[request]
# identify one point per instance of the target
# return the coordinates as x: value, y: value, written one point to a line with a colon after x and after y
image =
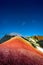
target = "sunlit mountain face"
x: 36, y: 41
x: 19, y: 51
x: 33, y: 39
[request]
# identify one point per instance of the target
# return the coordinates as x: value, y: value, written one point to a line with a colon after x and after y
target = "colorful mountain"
x: 18, y: 51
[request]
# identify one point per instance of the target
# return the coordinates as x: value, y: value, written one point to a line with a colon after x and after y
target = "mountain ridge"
x: 18, y: 51
x: 34, y: 40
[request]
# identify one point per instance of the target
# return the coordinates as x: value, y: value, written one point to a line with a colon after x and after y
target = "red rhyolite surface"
x: 18, y: 51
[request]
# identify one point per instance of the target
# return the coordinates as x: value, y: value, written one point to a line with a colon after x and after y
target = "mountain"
x: 39, y: 37
x: 9, y: 36
x: 6, y: 37
x: 36, y: 41
x: 18, y: 51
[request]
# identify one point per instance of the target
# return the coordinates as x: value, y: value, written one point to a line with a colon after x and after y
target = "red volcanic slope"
x: 18, y: 51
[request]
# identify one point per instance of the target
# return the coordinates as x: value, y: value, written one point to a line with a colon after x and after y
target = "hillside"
x: 18, y: 51
x: 36, y: 41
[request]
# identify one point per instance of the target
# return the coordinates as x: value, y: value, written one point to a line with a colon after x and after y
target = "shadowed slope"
x: 18, y: 51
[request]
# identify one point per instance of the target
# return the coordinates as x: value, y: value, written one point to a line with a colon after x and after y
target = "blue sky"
x: 21, y: 16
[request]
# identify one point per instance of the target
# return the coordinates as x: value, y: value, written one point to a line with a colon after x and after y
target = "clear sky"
x: 21, y: 16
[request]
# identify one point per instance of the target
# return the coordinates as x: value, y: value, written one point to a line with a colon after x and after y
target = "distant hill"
x: 40, y: 37
x: 6, y: 37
